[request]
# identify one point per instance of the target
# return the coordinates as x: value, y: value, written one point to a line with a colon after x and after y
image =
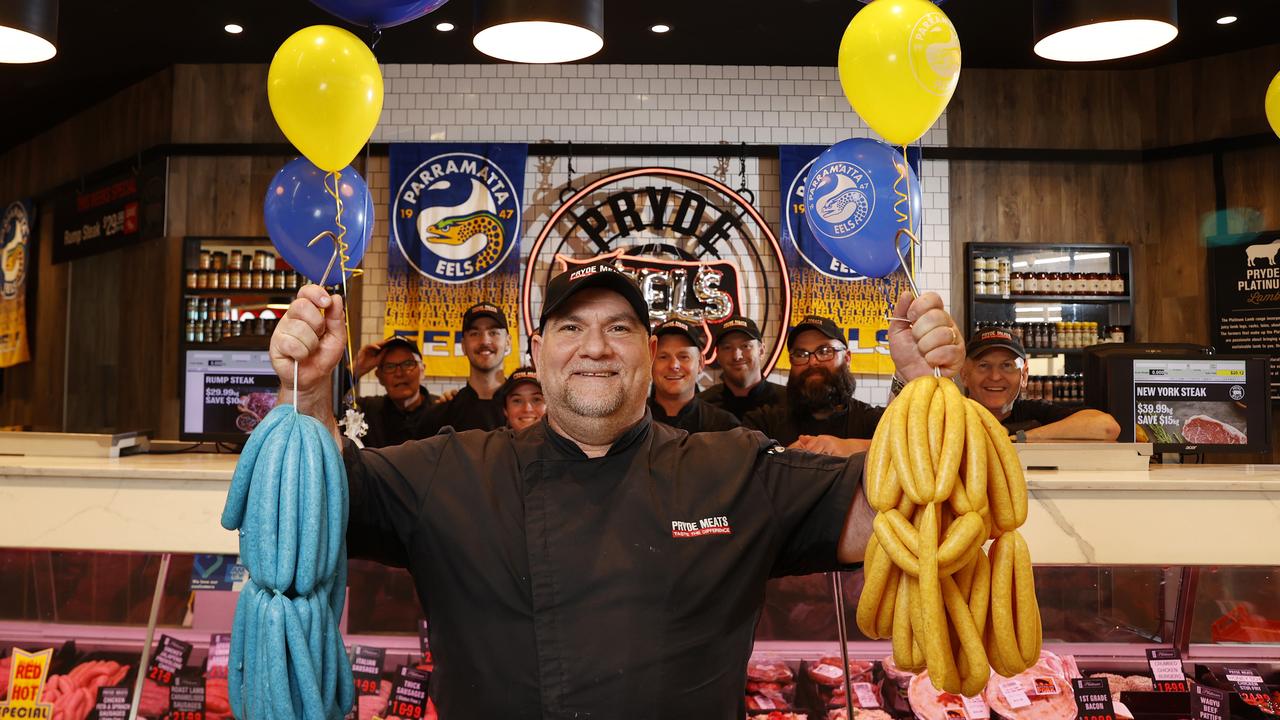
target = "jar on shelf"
x: 234, y: 280
x: 1017, y: 284
x: 235, y: 260
x: 1047, y: 389
x: 1118, y: 285
x: 193, y: 279
x: 1003, y: 267
x: 1116, y: 333
x: 980, y: 265
x: 1056, y: 284
x: 206, y: 260
x: 1069, y: 284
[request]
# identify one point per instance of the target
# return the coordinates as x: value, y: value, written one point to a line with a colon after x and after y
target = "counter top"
x: 188, y: 466
x: 1170, y: 515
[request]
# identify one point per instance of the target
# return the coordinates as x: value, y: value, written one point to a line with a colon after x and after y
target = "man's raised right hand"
x: 312, y: 333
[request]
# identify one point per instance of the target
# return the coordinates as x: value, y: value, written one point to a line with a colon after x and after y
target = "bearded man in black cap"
x: 820, y: 413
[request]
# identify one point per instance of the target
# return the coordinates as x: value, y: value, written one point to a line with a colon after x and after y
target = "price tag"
x: 866, y: 695
x: 976, y: 708
x: 113, y: 703
x: 219, y: 653
x: 366, y: 668
x: 1093, y: 699
x: 27, y: 673
x: 424, y: 641
x: 217, y: 572
x: 186, y: 699
x: 1014, y: 694
x: 1166, y: 670
x: 830, y: 672
x: 1208, y: 703
x: 1244, y: 678
x: 409, y: 693
x: 1042, y: 686
x: 171, y: 656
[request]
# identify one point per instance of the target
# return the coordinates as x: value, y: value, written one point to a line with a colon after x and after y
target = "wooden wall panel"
x: 222, y: 104
x: 1252, y: 180
x: 113, y: 130
x: 1217, y: 97
x: 1047, y: 109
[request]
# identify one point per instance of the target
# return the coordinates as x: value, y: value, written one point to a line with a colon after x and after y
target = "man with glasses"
x: 676, y: 365
x: 742, y: 387
x: 486, y: 343
x: 820, y: 413
x: 995, y: 373
x: 401, y: 414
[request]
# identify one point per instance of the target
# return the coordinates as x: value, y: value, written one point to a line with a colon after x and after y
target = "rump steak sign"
x: 699, y: 250
x: 1244, y: 272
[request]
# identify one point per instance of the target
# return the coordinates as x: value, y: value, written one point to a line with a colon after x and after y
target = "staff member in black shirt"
x: 401, y: 414
x: 740, y: 353
x: 995, y: 373
x: 599, y: 564
x: 676, y: 367
x: 820, y: 414
x: 485, y: 342
x: 522, y: 401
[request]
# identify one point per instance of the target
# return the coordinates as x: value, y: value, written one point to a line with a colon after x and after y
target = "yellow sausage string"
x: 341, y: 255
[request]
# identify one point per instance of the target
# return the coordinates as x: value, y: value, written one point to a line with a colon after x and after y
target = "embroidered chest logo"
x: 718, y: 525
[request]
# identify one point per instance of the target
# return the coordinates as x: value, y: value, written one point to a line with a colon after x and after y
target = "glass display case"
x: 94, y: 588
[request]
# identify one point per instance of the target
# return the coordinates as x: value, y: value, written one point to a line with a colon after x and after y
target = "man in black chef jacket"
x: 820, y: 413
x: 740, y: 353
x: 402, y: 413
x: 485, y: 342
x: 995, y: 374
x: 599, y: 564
x: 676, y: 366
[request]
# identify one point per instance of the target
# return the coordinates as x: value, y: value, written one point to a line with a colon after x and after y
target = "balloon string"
x: 343, y: 257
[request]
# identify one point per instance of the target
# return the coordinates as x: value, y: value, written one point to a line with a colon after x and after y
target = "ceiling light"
x: 539, y: 31
x: 660, y: 28
x: 1092, y: 30
x: 1227, y: 19
x: 233, y: 28
x: 445, y: 27
x: 28, y: 30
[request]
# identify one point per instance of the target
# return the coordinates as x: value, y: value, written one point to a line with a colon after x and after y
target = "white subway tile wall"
x: 703, y: 104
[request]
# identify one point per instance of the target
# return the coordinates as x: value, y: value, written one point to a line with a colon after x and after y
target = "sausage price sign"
x: 27, y: 674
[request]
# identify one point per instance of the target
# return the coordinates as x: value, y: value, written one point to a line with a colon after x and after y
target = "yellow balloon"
x: 899, y: 64
x: 325, y: 91
x: 1273, y: 104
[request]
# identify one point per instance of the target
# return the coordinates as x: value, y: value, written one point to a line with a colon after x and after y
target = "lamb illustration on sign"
x: 1265, y: 250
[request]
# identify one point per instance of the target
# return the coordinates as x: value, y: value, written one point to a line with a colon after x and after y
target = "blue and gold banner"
x: 454, y: 241
x: 17, y: 231
x: 821, y: 284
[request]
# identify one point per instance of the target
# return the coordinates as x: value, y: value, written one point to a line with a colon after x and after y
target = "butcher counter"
x: 1169, y: 515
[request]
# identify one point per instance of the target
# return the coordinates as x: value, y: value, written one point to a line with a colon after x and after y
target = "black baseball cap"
x: 815, y: 322
x: 738, y: 323
x: 400, y: 341
x: 519, y: 377
x: 601, y: 274
x: 989, y: 338
x: 681, y: 327
x: 484, y: 309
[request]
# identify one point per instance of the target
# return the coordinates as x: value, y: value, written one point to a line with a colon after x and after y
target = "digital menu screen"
x: 1195, y: 402
x: 226, y: 393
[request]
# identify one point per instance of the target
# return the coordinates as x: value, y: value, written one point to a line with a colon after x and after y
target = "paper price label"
x: 1014, y: 694
x: 976, y: 708
x: 1166, y: 670
x: 171, y: 656
x: 27, y: 673
x: 831, y: 672
x: 866, y: 695
x: 1208, y: 703
x: 113, y: 703
x: 1093, y: 699
x: 366, y: 668
x: 219, y: 651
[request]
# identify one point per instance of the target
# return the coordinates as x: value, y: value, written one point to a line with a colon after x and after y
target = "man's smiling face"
x: 994, y: 379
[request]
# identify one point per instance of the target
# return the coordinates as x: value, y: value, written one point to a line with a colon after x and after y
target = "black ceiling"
x: 105, y: 46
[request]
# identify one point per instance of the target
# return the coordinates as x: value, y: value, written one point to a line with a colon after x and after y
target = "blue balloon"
x: 849, y: 204
x: 298, y: 209
x: 379, y: 13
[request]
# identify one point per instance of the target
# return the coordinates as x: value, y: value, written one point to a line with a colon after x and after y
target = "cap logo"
x: 583, y: 272
x: 735, y: 323
x: 995, y: 334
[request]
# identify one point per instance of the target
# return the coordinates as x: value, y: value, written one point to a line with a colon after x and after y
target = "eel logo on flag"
x: 456, y: 217
x: 15, y: 239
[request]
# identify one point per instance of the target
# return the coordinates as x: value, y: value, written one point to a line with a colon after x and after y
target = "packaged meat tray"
x: 825, y: 681
x: 771, y: 686
x: 930, y: 703
x: 895, y: 686
x: 1043, y: 692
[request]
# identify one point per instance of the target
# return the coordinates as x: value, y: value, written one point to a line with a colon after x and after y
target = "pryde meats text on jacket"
x: 718, y: 525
